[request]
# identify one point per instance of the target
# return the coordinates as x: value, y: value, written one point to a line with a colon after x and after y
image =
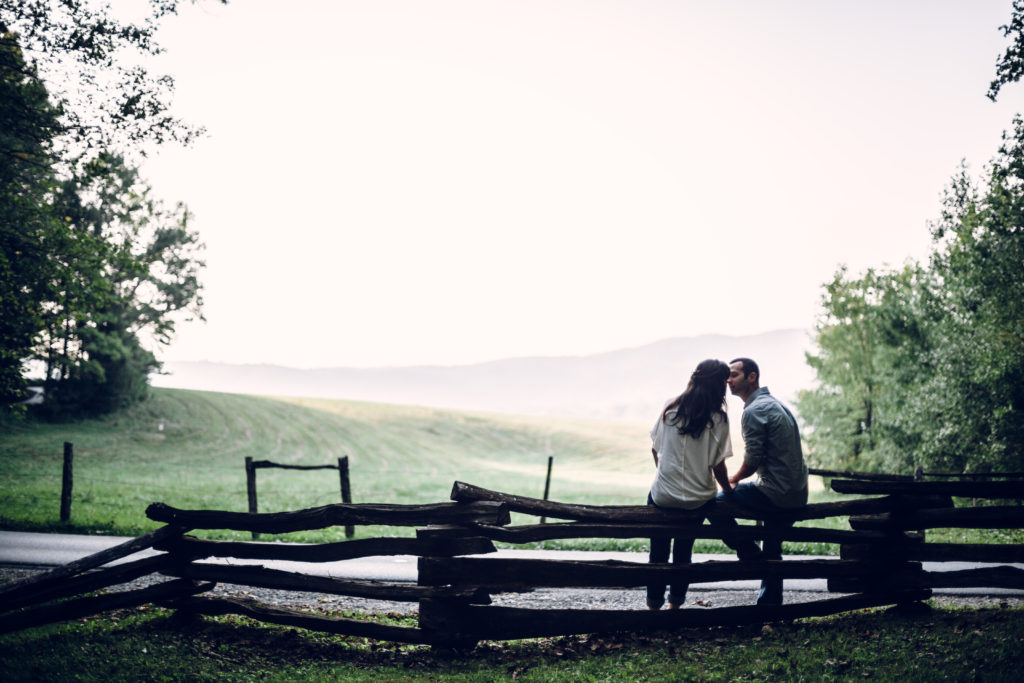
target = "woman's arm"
x: 722, y: 476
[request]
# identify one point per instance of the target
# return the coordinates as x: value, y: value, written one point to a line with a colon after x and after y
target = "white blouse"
x: 684, y: 478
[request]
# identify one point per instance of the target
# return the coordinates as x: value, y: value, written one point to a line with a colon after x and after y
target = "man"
x: 772, y: 442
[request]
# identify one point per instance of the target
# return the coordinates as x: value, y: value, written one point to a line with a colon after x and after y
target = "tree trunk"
x: 525, y: 574
x: 83, y: 607
x: 255, y: 575
x: 313, y: 622
x: 55, y: 576
x: 333, y: 515
x: 329, y: 552
x: 962, y: 489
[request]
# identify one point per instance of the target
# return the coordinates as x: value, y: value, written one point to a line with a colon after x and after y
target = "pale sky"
x: 438, y: 182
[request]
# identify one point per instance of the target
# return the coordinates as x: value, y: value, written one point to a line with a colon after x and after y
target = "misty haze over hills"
x: 628, y: 384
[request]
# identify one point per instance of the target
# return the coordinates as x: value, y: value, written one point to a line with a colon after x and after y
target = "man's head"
x: 743, y: 377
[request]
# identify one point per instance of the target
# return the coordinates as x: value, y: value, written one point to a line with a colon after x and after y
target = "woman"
x: 690, y: 443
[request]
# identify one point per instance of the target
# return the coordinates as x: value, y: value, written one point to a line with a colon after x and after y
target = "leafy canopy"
x: 921, y: 366
x: 92, y: 268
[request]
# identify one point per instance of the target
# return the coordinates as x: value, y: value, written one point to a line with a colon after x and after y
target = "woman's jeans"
x: 682, y: 548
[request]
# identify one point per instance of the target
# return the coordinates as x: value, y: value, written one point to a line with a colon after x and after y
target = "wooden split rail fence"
x: 879, y: 562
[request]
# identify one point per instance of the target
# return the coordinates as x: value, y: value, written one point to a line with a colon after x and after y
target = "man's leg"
x: 771, y: 589
x: 745, y: 550
x: 750, y: 497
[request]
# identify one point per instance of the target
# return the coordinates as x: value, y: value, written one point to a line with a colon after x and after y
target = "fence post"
x: 67, y: 482
x: 250, y: 489
x: 346, y: 491
x: 547, y: 485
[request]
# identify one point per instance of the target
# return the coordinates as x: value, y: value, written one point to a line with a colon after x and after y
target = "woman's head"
x: 709, y: 377
x: 703, y: 398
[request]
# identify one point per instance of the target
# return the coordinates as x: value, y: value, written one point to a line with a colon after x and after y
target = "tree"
x: 979, y: 265
x: 90, y: 265
x: 869, y: 336
x: 28, y: 123
x: 132, y: 269
x: 88, y: 59
x: 922, y: 366
x: 1010, y: 66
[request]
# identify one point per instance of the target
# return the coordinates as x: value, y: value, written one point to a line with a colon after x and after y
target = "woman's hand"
x: 722, y: 476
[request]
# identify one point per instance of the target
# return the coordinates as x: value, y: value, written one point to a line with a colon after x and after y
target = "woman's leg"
x: 658, y: 555
x: 682, y: 553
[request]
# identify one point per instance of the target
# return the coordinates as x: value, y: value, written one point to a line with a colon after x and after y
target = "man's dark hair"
x: 749, y: 366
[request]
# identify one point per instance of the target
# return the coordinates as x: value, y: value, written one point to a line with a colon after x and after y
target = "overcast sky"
x: 406, y: 182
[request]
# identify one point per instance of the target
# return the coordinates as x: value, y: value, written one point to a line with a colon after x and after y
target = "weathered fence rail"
x: 879, y: 561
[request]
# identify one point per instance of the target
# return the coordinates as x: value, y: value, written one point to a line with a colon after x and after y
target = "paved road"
x: 18, y: 548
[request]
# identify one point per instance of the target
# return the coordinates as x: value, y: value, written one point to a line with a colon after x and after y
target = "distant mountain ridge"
x: 627, y: 384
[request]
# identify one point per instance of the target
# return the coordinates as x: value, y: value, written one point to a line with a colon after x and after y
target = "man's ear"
x: 752, y: 378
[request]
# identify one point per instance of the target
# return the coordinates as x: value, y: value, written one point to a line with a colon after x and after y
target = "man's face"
x: 739, y: 384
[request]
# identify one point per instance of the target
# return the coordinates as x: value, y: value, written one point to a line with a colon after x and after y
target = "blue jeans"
x: 682, y: 550
x: 750, y: 497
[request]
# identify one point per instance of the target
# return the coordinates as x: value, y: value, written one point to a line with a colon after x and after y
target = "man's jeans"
x: 750, y: 497
x: 682, y: 549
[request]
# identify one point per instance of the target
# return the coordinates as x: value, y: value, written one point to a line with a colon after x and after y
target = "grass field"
x: 187, y: 449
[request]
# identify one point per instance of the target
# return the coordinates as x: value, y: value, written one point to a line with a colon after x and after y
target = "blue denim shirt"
x: 772, y: 442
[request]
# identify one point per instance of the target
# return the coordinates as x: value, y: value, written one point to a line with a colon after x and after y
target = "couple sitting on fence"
x: 690, y: 445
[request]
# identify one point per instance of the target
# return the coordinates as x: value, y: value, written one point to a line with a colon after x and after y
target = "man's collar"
x: 760, y: 391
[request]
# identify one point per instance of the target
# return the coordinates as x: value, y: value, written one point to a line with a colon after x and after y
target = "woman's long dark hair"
x: 703, y: 397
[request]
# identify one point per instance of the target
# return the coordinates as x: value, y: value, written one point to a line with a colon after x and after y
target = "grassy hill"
x: 187, y: 449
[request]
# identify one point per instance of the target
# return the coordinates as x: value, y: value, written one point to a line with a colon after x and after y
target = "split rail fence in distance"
x: 879, y: 562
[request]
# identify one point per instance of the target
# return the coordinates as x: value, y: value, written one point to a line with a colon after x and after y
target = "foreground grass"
x: 964, y: 645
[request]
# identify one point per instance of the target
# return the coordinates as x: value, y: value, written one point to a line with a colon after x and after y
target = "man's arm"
x: 655, y: 454
x: 754, y: 442
x: 744, y: 471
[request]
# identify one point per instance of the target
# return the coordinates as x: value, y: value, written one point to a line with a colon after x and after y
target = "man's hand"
x: 742, y: 473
